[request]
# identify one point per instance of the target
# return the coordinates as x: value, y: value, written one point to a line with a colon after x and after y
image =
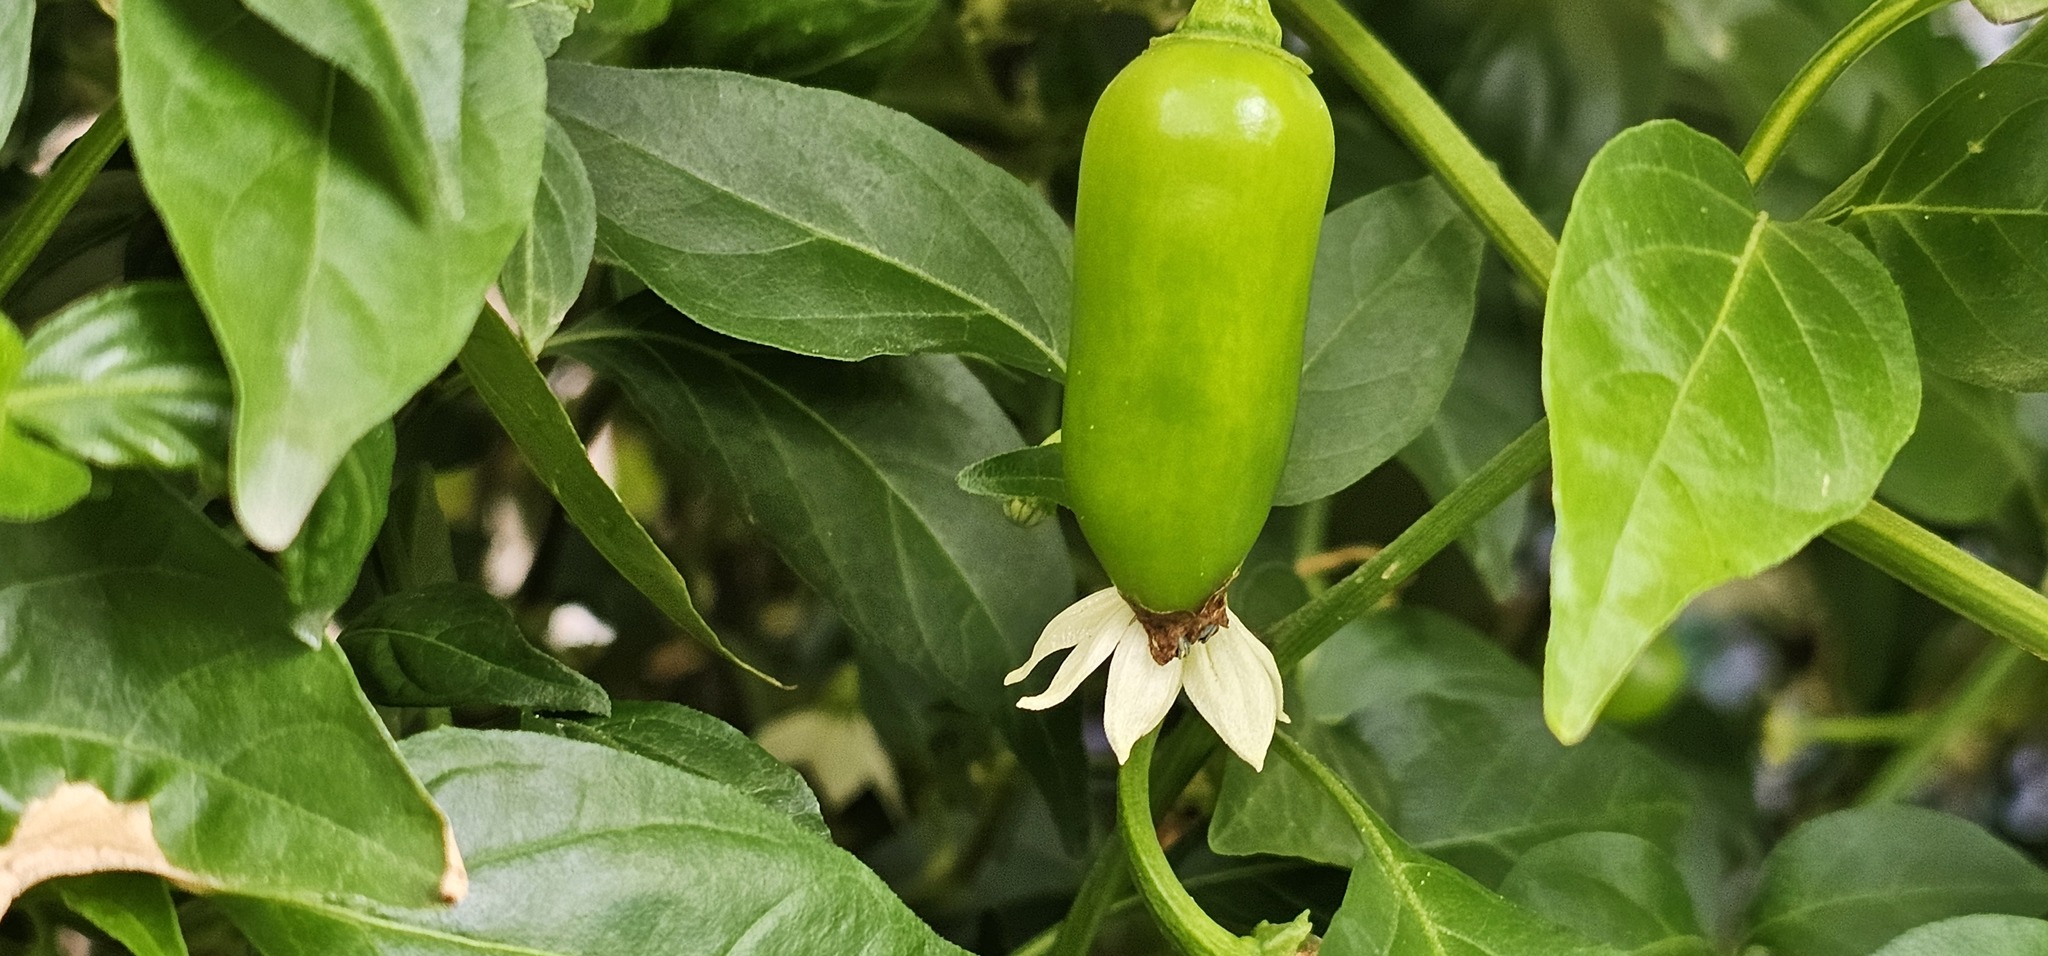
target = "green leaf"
x: 545, y: 272
x: 845, y: 43
x: 409, y: 56
x: 36, y: 481
x: 1981, y: 935
x: 1033, y: 472
x: 708, y: 188
x: 1543, y: 85
x: 133, y: 908
x: 1474, y: 778
x: 582, y: 850
x: 1610, y: 887
x: 321, y: 565
x: 17, y: 22
x: 1722, y: 388
x: 414, y: 548
x: 1843, y: 884
x: 1957, y: 208
x: 453, y: 645
x: 849, y: 469
x: 128, y: 378
x: 1494, y: 399
x: 1281, y: 811
x: 1964, y: 460
x: 1388, y: 313
x: 2010, y: 11
x: 151, y: 663
x: 697, y: 743
x: 518, y: 396
x: 1400, y: 902
x: 334, y: 299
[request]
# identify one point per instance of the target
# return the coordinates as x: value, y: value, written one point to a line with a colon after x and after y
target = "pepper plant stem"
x: 1927, y: 563
x: 59, y: 191
x: 1178, y: 915
x: 1880, y: 20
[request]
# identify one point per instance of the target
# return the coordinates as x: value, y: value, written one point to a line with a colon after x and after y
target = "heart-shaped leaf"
x: 582, y: 850
x: 333, y: 295
x: 1722, y: 388
x: 1388, y: 313
x: 454, y: 645
x: 1844, y: 883
x: 127, y: 378
x: 545, y: 272
x: 709, y: 189
x: 158, y: 700
x: 1957, y: 208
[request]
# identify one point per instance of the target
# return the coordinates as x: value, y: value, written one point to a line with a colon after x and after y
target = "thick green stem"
x: 1402, y: 101
x: 1940, y: 570
x: 1248, y: 20
x: 1182, y: 919
x: 58, y: 193
x: 1882, y: 19
x: 1977, y: 694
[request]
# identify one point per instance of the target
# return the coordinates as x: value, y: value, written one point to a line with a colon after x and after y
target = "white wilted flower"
x: 1229, y: 675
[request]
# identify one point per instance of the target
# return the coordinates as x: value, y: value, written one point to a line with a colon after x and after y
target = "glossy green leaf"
x: 815, y: 222
x: 1966, y: 457
x: 518, y: 396
x: 1981, y: 935
x: 1473, y: 776
x: 1387, y: 318
x: 148, y: 659
x: 1845, y: 883
x: 134, y: 909
x: 454, y: 645
x: 697, y: 743
x: 1610, y: 887
x: 582, y: 850
x: 1957, y: 208
x: 333, y: 297
x: 545, y: 272
x: 1494, y: 398
x: 17, y: 21
x: 1722, y: 388
x: 844, y: 43
x: 1034, y: 472
x: 128, y: 378
x: 2010, y: 11
x: 321, y: 565
x: 849, y: 470
x: 409, y: 56
x: 36, y: 481
x: 1401, y: 902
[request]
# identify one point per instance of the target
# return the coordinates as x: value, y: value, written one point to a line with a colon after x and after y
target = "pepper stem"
x: 1251, y: 21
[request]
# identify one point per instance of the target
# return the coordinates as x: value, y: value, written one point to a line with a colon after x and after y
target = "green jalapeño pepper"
x: 1204, y: 176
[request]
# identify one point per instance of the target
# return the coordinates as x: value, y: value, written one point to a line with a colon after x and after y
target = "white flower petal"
x: 1272, y: 667
x: 1093, y: 631
x: 1141, y: 691
x: 1234, y: 682
x: 1066, y: 629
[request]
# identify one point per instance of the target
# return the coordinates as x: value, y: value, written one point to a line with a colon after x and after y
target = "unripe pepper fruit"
x: 1204, y: 176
